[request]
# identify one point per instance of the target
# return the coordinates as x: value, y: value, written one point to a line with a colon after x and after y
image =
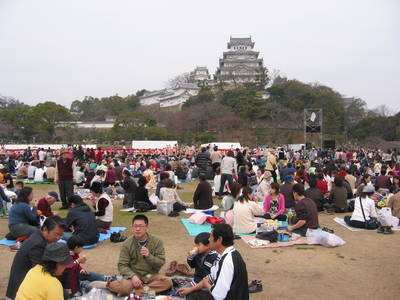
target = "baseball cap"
x: 288, y: 178
x: 54, y: 195
x: 58, y: 253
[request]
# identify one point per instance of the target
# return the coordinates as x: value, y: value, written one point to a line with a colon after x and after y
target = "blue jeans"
x: 92, y: 277
x: 225, y: 177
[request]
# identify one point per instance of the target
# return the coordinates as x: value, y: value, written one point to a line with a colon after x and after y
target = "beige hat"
x: 63, y: 150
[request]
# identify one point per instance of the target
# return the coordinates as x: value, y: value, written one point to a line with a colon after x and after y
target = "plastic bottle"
x: 146, y: 293
x: 152, y: 295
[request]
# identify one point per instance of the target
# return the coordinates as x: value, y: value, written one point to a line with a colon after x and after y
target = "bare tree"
x: 178, y: 80
x: 383, y: 110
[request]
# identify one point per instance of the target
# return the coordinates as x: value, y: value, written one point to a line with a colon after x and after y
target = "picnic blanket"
x: 341, y: 221
x: 192, y: 210
x: 258, y: 243
x: 194, y: 229
x: 102, y: 238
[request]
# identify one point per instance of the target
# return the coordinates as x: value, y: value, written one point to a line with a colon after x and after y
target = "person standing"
x: 228, y: 169
x: 271, y: 164
x: 202, y: 161
x: 65, y: 176
x: 228, y: 277
x: 216, y: 158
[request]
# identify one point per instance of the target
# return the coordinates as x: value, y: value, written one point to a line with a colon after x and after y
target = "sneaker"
x: 380, y: 229
x: 16, y: 247
x: 388, y: 230
x: 255, y: 286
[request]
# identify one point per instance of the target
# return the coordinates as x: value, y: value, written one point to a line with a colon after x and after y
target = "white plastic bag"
x: 165, y: 207
x: 320, y: 237
x: 386, y: 219
x: 154, y: 199
x: 198, y: 218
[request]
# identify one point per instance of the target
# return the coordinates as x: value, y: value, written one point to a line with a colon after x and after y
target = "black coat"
x: 142, y: 195
x: 129, y: 185
x: 27, y: 257
x: 84, y: 222
x: 202, y: 197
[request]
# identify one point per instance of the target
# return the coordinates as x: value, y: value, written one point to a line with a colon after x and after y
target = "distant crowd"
x: 275, y: 184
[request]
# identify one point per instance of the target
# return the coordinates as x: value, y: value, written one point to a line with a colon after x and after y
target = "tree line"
x: 250, y: 113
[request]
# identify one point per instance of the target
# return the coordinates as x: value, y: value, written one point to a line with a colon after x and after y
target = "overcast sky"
x: 64, y: 50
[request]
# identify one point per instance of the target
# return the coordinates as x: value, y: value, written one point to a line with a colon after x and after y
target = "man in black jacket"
x: 83, y: 221
x: 31, y: 252
x: 228, y: 276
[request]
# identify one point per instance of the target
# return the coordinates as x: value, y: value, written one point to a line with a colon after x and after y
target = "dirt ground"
x: 367, y: 267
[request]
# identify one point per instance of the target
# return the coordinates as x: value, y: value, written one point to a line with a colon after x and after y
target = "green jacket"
x: 132, y: 263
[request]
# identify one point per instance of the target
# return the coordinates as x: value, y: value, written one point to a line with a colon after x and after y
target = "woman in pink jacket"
x: 274, y: 204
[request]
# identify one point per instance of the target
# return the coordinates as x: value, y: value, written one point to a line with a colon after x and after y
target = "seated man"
x: 141, y: 258
x: 306, y: 212
x: 44, y: 204
x: 31, y: 252
x: 82, y: 220
x: 228, y: 277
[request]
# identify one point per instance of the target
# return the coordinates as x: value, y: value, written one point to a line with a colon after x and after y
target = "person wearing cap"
x: 41, y: 281
x: 44, y: 204
x: 31, y: 252
x: 368, y: 206
x: 65, y: 176
x: 264, y: 185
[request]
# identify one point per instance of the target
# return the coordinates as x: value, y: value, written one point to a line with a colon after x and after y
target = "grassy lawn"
x: 302, y: 272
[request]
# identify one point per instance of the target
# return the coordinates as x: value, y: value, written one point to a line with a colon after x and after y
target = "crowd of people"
x: 277, y: 184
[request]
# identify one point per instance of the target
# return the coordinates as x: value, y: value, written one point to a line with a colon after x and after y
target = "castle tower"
x: 240, y: 63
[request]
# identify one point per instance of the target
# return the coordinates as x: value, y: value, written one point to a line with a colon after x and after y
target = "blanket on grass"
x: 192, y: 210
x: 102, y: 238
x: 258, y: 243
x: 341, y: 221
x: 194, y: 229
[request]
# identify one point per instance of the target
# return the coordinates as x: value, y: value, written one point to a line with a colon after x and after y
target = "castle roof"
x: 240, y: 42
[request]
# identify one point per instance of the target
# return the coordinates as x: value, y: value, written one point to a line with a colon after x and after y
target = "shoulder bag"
x: 372, y: 223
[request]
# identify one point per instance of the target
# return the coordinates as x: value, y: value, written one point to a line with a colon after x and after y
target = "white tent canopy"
x: 37, y: 146
x: 223, y: 146
x: 153, y: 144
